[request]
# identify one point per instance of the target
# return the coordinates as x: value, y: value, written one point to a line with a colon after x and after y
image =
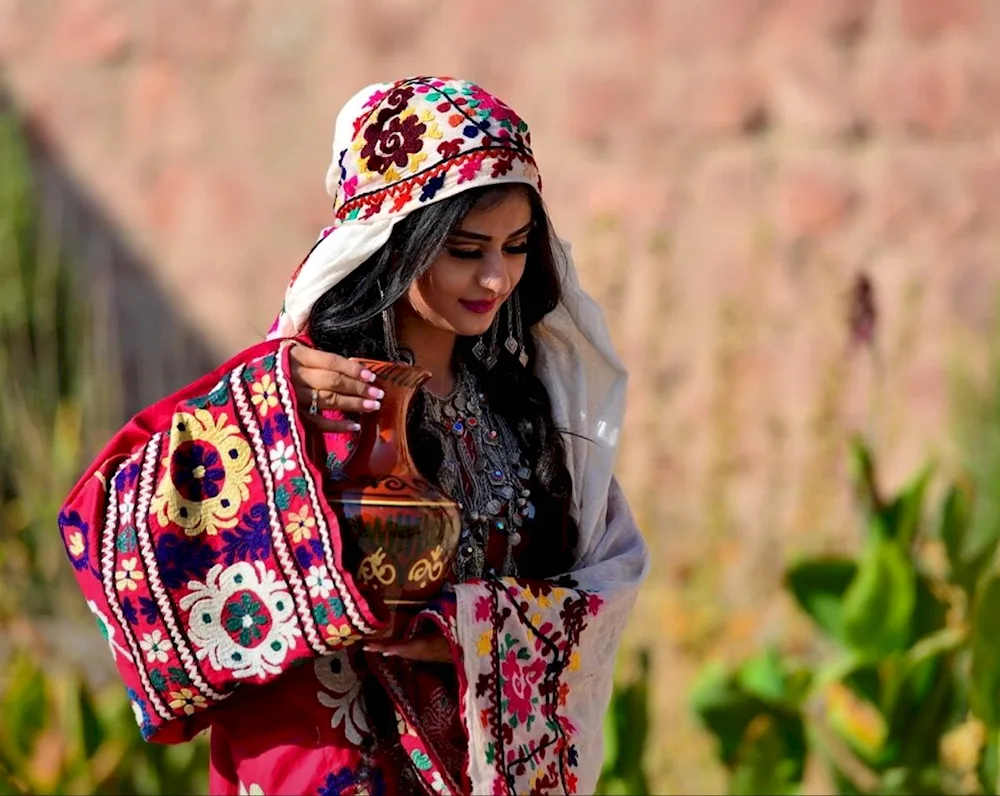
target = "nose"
x: 493, y: 273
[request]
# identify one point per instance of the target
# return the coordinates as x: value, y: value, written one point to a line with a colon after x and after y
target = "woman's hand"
x: 334, y: 383
x: 431, y: 648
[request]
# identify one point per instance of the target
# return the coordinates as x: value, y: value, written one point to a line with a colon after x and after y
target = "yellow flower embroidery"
x: 127, y: 578
x: 340, y: 636
x: 207, y: 469
x: 265, y: 394
x: 187, y: 700
x: 485, y: 644
x: 300, y: 524
x: 76, y: 544
x: 574, y: 661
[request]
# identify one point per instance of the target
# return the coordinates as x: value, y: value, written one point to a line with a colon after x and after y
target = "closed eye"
x: 476, y: 254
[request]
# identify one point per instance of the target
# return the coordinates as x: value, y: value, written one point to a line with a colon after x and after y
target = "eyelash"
x: 475, y: 254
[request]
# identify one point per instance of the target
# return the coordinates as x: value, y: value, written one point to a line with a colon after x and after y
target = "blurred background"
x: 789, y: 210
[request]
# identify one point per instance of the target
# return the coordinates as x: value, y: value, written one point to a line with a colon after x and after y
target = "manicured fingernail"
x: 354, y: 427
x: 375, y: 392
x: 367, y: 375
x: 371, y: 405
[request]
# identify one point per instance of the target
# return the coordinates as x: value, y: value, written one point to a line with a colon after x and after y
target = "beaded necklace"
x: 483, y: 470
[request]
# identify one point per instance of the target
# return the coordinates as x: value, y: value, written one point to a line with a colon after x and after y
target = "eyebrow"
x: 461, y: 233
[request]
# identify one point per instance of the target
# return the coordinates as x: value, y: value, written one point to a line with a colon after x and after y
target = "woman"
x: 205, y: 549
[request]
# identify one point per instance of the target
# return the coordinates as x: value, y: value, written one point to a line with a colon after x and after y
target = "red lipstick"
x: 480, y: 307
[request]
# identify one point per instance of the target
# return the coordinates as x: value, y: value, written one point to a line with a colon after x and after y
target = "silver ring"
x: 314, y: 406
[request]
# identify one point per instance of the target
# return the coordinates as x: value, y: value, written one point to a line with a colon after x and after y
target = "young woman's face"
x: 482, y: 263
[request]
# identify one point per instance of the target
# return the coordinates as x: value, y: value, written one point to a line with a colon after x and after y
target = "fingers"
x: 326, y: 399
x: 334, y: 382
x: 426, y: 648
x: 315, y: 359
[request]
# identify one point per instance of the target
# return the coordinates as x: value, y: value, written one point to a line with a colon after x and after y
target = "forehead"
x: 498, y: 214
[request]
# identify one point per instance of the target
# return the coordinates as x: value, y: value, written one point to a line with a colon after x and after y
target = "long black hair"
x: 347, y: 320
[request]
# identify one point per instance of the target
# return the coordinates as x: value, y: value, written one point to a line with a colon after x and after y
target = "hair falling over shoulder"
x: 347, y: 320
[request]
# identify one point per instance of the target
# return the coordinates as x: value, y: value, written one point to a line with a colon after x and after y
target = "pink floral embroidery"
x: 519, y: 682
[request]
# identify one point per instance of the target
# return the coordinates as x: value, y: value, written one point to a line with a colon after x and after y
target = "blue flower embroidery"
x: 183, y: 559
x: 252, y: 540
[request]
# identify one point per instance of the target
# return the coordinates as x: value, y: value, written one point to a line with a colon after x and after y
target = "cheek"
x: 517, y: 271
x: 444, y: 282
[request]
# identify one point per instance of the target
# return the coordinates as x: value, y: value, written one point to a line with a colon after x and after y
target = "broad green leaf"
x: 819, y: 586
x: 968, y: 553
x: 764, y: 676
x: 929, y: 612
x: 920, y: 708
x: 900, y: 520
x: 955, y: 513
x: 984, y: 694
x: 856, y: 720
x: 723, y: 709
x: 878, y: 607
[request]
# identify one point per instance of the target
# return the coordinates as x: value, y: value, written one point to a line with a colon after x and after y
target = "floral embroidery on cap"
x: 423, y: 137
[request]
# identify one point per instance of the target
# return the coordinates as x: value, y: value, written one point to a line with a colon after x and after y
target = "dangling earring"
x: 514, y: 341
x: 389, y: 328
x: 488, y: 356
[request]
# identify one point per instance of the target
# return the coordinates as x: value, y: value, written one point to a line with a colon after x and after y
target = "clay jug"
x: 400, y: 532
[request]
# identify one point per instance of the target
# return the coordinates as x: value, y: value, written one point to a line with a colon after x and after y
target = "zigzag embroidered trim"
x: 403, y: 189
x: 350, y: 607
x: 146, y: 489
x: 288, y: 566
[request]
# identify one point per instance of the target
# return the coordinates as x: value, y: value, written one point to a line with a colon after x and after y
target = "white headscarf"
x: 400, y: 146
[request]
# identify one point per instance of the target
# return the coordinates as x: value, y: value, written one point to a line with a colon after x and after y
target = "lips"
x: 480, y: 307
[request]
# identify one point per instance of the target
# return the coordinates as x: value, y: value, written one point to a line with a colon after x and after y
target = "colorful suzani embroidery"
x: 216, y: 562
x: 425, y: 137
x: 241, y: 618
x: 340, y: 691
x: 206, y: 474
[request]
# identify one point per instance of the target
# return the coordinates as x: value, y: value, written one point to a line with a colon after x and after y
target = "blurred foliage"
x: 626, y: 731
x: 57, y: 405
x: 59, y: 736
x: 905, y: 696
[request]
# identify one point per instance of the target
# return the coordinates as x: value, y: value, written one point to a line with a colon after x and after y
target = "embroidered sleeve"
x: 206, y: 551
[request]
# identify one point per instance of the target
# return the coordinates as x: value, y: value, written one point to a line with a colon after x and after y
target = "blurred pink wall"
x: 723, y: 167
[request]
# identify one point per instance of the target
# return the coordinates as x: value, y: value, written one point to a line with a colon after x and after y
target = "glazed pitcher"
x: 400, y: 532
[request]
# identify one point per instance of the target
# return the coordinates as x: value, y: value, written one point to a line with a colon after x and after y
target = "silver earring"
x: 514, y: 342
x: 488, y: 356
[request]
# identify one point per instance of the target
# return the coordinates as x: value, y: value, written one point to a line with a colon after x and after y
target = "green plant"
x: 905, y: 695
x: 57, y: 735
x: 626, y: 731
x: 56, y: 390
x: 57, y: 400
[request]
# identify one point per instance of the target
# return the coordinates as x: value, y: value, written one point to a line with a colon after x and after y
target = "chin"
x: 474, y: 329
x: 474, y: 326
